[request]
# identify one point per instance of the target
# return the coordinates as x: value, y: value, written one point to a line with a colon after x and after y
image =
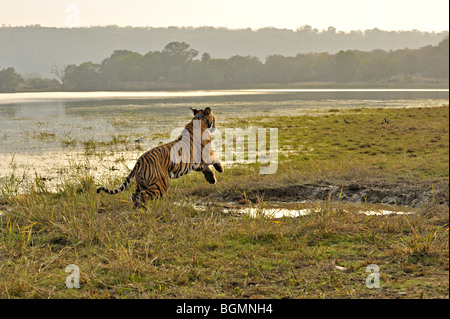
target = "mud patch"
x: 380, y: 192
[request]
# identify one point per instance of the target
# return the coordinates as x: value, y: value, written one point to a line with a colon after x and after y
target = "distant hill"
x: 32, y: 50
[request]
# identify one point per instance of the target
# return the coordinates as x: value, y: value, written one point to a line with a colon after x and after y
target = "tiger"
x: 157, y: 166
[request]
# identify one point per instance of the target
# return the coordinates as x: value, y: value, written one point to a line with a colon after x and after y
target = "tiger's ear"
x: 207, y: 111
x: 194, y: 110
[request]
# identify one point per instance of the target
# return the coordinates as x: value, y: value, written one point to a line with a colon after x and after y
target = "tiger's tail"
x: 124, y: 185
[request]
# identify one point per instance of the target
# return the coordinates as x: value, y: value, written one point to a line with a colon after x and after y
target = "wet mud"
x: 379, y: 192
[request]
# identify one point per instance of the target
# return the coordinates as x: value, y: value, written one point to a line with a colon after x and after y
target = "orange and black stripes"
x: 156, y: 167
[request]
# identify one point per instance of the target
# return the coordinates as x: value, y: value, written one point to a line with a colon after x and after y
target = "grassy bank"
x: 410, y: 153
x: 174, y: 249
x: 178, y: 251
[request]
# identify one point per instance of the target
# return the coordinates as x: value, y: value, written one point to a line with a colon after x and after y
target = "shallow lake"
x: 38, y: 122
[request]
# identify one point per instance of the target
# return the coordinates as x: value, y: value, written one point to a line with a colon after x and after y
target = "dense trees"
x: 345, y: 66
x: 34, y: 49
x: 86, y: 76
x: 9, y: 79
x: 179, y: 66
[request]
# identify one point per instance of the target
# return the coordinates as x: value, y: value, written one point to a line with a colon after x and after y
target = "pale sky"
x: 423, y: 15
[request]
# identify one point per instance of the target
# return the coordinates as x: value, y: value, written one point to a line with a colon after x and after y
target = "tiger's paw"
x: 218, y: 167
x: 209, y: 176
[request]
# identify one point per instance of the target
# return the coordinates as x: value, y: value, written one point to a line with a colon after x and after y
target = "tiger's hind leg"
x: 136, y: 197
x: 155, y: 191
x: 151, y: 193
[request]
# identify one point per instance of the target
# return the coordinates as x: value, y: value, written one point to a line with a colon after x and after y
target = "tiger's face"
x: 207, y: 113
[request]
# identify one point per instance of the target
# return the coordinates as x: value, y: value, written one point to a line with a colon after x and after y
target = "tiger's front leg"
x: 214, y: 160
x: 209, y: 174
x: 218, y: 166
x: 209, y: 158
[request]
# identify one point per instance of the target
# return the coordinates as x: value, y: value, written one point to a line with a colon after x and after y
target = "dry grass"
x: 174, y: 249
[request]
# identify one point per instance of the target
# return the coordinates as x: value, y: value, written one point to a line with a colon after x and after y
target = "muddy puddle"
x: 276, y: 210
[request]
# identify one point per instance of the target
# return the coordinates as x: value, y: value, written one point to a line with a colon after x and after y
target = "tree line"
x: 34, y: 49
x: 179, y: 66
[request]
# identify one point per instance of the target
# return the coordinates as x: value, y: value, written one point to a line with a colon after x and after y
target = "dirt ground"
x: 375, y: 192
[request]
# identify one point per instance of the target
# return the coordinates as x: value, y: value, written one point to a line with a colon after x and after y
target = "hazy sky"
x: 423, y: 15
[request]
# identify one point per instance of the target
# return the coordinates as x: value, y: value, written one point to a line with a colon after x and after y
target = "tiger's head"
x: 207, y: 116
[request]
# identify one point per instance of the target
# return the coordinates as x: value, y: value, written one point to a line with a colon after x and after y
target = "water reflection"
x: 221, y: 95
x: 271, y: 212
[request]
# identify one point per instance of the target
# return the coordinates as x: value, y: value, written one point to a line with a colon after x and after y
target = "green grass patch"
x: 175, y: 249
